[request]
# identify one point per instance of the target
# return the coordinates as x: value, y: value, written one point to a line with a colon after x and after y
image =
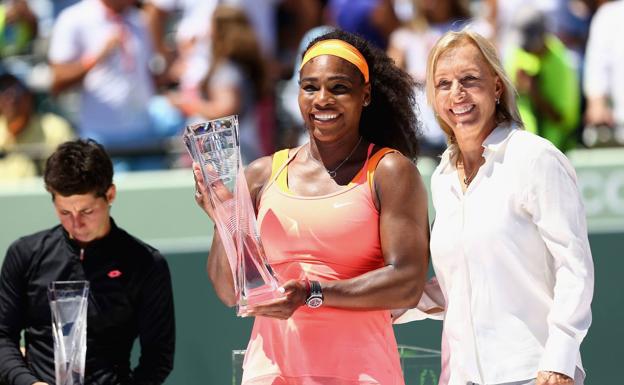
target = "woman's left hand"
x: 294, y: 295
x: 218, y: 189
x: 553, y: 378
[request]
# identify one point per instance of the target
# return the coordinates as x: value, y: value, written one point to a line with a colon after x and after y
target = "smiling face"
x: 84, y: 216
x: 332, y: 94
x: 465, y: 92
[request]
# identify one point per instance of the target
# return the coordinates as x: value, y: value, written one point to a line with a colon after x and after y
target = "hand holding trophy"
x: 214, y: 146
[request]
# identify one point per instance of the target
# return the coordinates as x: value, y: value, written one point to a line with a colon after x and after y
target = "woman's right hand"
x: 553, y: 378
x: 293, y: 295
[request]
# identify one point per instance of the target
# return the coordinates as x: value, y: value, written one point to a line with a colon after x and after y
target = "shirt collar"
x: 494, y: 142
x: 499, y: 136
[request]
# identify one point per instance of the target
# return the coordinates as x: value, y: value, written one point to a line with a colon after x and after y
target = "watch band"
x: 315, y: 289
x: 315, y: 297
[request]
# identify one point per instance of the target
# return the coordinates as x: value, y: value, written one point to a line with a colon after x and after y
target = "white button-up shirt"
x: 513, y: 262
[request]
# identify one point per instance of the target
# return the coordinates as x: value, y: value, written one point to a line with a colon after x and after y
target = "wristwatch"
x: 315, y: 296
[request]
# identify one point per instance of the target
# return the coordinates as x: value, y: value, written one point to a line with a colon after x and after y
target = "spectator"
x: 18, y: 27
x: 544, y: 74
x: 103, y: 47
x: 130, y: 287
x: 604, y: 74
x: 372, y: 19
x: 502, y: 13
x: 262, y: 15
x: 187, y: 63
x: 236, y: 80
x: 25, y: 134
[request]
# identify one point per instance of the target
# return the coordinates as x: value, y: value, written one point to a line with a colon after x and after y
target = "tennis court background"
x: 159, y: 208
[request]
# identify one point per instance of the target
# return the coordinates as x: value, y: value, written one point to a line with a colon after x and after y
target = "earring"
x: 366, y: 103
x: 497, y: 100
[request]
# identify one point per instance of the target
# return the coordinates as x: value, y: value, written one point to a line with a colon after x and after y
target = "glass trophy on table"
x: 215, y: 146
x: 68, y: 305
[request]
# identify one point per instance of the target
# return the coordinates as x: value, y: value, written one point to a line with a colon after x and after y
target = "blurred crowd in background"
x: 131, y: 74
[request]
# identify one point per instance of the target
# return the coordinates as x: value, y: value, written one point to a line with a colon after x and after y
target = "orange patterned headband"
x: 338, y: 48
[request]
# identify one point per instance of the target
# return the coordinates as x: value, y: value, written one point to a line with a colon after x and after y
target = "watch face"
x: 314, y: 302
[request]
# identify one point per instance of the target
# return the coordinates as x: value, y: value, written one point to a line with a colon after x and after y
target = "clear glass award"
x: 68, y: 304
x: 214, y: 145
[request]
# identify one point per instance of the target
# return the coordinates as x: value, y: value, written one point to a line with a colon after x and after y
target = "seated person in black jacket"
x: 130, y: 286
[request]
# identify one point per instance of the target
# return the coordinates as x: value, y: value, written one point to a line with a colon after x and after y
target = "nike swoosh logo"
x: 338, y: 205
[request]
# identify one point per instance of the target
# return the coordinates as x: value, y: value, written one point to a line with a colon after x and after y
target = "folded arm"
x: 404, y: 234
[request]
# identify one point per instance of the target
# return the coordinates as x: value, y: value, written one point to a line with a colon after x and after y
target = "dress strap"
x: 361, y: 175
x: 374, y: 161
x: 280, y: 161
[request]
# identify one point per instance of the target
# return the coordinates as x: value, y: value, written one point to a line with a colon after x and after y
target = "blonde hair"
x: 507, y: 109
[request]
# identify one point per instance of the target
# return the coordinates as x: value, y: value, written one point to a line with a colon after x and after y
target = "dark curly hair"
x: 79, y: 167
x: 390, y: 120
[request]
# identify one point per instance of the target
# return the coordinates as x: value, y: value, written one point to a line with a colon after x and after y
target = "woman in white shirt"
x: 509, y: 245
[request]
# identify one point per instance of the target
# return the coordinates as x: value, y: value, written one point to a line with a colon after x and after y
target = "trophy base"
x: 257, y: 296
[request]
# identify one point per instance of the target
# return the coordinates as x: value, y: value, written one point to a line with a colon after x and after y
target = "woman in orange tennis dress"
x: 343, y: 220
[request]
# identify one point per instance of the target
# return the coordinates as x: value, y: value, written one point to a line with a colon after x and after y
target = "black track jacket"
x: 130, y: 295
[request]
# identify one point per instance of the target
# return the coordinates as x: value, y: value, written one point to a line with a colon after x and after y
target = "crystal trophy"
x: 214, y: 145
x: 68, y: 304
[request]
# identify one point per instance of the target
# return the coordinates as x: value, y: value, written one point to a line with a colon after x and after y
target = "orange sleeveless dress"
x: 324, y: 238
